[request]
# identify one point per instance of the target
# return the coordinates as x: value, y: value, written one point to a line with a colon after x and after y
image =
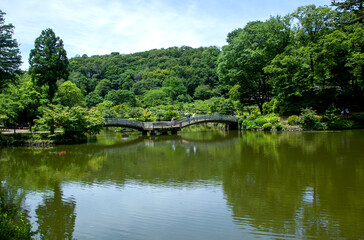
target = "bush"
x: 358, y: 117
x: 310, y: 120
x: 267, y: 126
x: 260, y: 121
x: 273, y: 119
x: 10, y: 230
x: 292, y: 120
x: 270, y: 107
x: 277, y: 126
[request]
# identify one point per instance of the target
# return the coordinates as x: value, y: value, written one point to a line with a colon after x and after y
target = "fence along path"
x: 232, y: 121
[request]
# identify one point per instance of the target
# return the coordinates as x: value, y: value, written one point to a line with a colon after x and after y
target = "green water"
x: 207, y: 185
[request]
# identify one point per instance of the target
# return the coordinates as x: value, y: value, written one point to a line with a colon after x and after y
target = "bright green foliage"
x: 74, y: 120
x: 136, y: 113
x: 13, y: 224
x: 250, y: 49
x: 169, y: 114
x: 270, y: 107
x: 293, y: 120
x: 322, y: 66
x: 10, y: 59
x: 21, y: 103
x: 69, y: 95
x: 154, y: 97
x: 103, y: 87
x: 202, y: 92
x: 48, y: 61
x: 121, y: 96
x: 14, y: 231
x: 226, y: 108
x: 173, y: 87
x: 267, y: 126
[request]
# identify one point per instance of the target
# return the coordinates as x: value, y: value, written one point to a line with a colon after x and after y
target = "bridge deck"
x: 166, y: 125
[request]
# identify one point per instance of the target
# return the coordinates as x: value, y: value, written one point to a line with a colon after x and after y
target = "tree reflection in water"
x: 298, y: 184
x: 56, y: 215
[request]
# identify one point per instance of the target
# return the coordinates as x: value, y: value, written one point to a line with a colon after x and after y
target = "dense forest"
x: 309, y: 59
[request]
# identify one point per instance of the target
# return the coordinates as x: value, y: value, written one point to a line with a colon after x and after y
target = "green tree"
x: 92, y: 99
x: 76, y: 121
x: 69, y: 94
x: 10, y: 59
x: 250, y: 49
x: 355, y: 6
x: 202, y: 92
x: 174, y: 87
x: 103, y: 87
x: 154, y: 97
x: 48, y: 61
x: 121, y: 96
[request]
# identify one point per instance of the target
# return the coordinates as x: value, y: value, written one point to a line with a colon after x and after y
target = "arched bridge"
x: 177, y: 125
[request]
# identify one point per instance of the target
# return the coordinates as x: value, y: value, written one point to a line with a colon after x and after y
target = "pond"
x: 200, y: 185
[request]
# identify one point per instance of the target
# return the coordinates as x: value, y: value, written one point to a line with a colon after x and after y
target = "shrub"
x: 358, y: 117
x: 292, y: 120
x: 270, y: 107
x: 273, y: 119
x: 310, y: 120
x: 277, y: 126
x: 260, y: 121
x: 254, y: 114
x: 267, y: 126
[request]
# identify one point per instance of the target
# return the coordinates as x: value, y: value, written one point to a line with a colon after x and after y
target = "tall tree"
x: 48, y: 61
x: 355, y: 6
x: 250, y: 49
x: 10, y: 59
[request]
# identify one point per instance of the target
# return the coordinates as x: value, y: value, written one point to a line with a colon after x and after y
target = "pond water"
x: 201, y: 185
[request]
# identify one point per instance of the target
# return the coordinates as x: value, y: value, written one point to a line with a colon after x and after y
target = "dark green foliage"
x: 10, y: 58
x: 355, y: 6
x: 249, y: 51
x: 226, y: 108
x: 13, y: 224
x: 92, y: 99
x: 270, y: 107
x: 358, y: 117
x: 310, y: 120
x: 121, y: 96
x: 48, y: 61
x: 150, y: 70
x: 202, y: 92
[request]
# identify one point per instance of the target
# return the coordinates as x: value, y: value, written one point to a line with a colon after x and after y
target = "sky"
x: 97, y: 27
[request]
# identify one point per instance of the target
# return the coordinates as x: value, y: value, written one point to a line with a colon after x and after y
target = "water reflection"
x: 56, y: 215
x: 281, y: 185
x: 299, y: 184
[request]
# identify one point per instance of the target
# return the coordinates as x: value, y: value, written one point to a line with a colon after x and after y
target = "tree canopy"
x: 10, y: 58
x: 48, y: 61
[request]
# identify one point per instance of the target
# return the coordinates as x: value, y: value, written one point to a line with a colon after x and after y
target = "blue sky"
x: 96, y: 27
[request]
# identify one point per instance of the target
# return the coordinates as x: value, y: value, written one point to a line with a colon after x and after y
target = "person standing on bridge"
x: 172, y: 122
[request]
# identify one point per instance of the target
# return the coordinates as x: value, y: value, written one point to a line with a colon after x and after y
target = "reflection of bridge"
x: 165, y: 126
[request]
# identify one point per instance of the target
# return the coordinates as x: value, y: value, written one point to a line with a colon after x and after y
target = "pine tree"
x: 10, y: 58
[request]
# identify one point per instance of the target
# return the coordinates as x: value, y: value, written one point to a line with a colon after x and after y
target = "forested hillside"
x: 155, y: 77
x: 308, y: 60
